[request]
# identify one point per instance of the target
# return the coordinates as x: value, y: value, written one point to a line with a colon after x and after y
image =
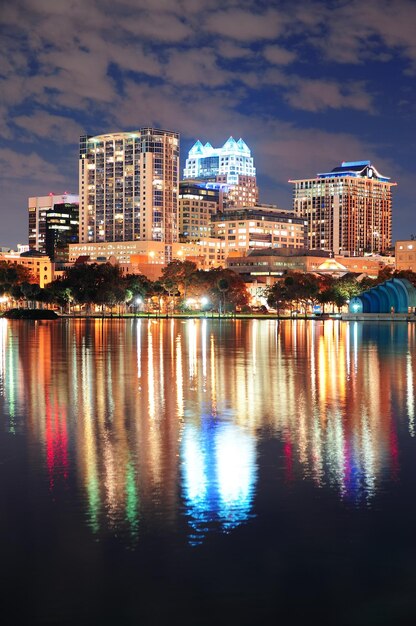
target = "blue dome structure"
x: 396, y: 294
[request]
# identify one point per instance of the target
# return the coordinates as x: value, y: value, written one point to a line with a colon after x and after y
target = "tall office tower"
x: 38, y: 207
x: 129, y: 186
x: 348, y: 210
x: 231, y: 165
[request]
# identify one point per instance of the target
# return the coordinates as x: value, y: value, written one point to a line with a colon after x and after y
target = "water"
x: 207, y: 472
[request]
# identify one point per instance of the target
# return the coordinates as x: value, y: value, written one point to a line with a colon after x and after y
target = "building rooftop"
x: 290, y: 252
x: 254, y: 212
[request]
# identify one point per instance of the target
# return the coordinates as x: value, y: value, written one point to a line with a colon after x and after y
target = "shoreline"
x: 345, y: 317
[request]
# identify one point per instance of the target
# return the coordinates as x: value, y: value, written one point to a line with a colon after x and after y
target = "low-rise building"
x: 405, y: 254
x: 38, y: 263
x: 273, y: 262
x: 148, y: 257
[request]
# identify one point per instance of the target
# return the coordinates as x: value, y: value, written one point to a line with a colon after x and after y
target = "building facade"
x: 348, y: 210
x: 38, y: 263
x: 258, y: 227
x: 197, y: 203
x: 209, y: 251
x: 129, y: 187
x: 231, y: 165
x: 38, y: 208
x: 62, y: 228
x: 405, y: 255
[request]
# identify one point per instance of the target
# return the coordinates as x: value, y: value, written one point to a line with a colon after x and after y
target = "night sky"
x: 306, y: 84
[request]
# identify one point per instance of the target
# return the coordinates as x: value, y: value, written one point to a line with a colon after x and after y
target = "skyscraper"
x: 231, y: 165
x: 348, y: 210
x: 128, y: 186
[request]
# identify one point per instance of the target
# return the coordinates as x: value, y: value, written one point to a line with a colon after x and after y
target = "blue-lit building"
x: 348, y: 209
x: 396, y: 295
x: 231, y: 164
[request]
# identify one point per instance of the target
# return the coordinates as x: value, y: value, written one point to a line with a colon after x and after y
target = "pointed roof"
x: 363, y: 169
x: 230, y: 144
x: 197, y: 148
x: 242, y: 146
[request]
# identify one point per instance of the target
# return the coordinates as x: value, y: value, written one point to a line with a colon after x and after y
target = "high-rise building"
x: 62, y: 229
x: 232, y: 164
x: 348, y: 210
x: 197, y: 203
x: 38, y: 207
x: 129, y: 186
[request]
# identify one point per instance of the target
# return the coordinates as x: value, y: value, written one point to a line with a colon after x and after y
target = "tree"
x: 179, y: 275
x: 223, y: 286
x: 60, y: 294
x: 158, y: 290
x: 98, y: 283
x: 224, y: 281
x: 12, y: 276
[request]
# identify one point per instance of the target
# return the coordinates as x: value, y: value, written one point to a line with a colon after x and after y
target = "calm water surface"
x: 207, y: 472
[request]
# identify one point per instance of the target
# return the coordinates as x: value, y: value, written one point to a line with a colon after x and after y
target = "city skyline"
x: 305, y: 86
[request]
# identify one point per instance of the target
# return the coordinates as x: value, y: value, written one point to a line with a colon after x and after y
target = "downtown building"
x: 259, y: 227
x: 53, y: 222
x: 198, y: 202
x: 128, y: 187
x: 348, y: 210
x: 231, y: 165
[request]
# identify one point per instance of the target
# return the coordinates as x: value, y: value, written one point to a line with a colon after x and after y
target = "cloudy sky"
x: 306, y: 84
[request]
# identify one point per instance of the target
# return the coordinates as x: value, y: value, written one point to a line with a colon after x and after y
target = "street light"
x: 204, y: 302
x: 138, y: 301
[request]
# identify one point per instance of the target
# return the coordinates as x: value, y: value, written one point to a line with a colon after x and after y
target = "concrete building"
x: 197, y: 203
x: 38, y: 263
x: 129, y: 187
x: 259, y: 227
x: 38, y: 207
x: 275, y: 262
x: 230, y: 165
x: 348, y: 210
x: 405, y: 255
x: 206, y: 253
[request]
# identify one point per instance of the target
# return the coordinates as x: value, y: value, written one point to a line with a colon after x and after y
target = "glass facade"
x: 129, y: 186
x: 232, y: 165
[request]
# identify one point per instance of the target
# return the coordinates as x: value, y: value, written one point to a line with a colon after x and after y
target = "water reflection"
x: 219, y: 469
x: 161, y: 421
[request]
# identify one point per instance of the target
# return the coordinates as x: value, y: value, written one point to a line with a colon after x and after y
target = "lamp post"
x: 138, y: 301
x: 204, y: 301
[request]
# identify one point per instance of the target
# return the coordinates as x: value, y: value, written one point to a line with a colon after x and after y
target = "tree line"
x: 181, y: 287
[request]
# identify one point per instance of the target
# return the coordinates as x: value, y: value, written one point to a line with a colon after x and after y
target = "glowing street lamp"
x: 138, y: 301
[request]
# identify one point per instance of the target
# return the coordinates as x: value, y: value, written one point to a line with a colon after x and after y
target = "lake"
x: 203, y: 471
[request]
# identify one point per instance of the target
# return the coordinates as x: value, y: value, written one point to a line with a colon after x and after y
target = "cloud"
x: 245, y: 25
x: 195, y: 67
x: 19, y: 165
x: 319, y: 95
x: 278, y: 55
x: 231, y: 50
x: 51, y: 127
